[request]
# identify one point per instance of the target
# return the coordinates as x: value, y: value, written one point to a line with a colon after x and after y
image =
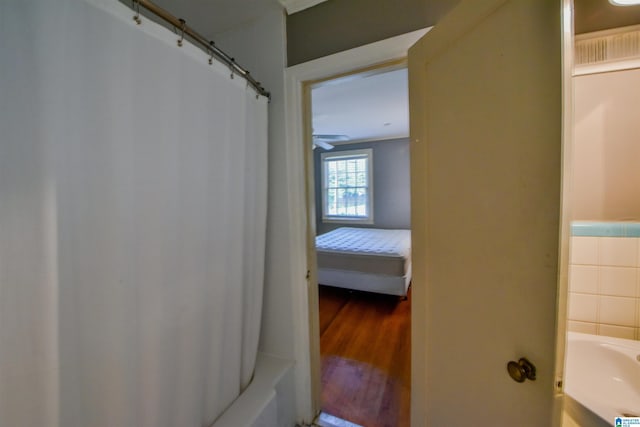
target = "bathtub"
x: 267, y: 400
x: 602, y: 379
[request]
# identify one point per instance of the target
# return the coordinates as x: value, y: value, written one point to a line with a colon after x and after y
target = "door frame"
x: 566, y: 212
x: 298, y: 152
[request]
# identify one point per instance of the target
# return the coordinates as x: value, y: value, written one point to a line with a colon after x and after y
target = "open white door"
x: 486, y: 134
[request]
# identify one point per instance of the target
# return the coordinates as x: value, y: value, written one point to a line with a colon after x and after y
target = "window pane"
x: 351, y: 179
x: 346, y: 186
x: 340, y: 202
x: 347, y: 202
x: 361, y: 209
x: 342, y: 179
x: 331, y: 202
x: 332, y: 180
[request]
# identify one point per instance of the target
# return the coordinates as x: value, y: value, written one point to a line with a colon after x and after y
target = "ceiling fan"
x: 325, y: 141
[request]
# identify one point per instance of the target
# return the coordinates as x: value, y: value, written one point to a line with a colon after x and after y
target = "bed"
x: 365, y: 259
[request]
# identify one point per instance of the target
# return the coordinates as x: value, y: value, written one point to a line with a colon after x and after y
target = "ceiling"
x: 596, y: 15
x: 369, y: 106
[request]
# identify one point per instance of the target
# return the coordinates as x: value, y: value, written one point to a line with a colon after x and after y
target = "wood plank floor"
x: 365, y: 344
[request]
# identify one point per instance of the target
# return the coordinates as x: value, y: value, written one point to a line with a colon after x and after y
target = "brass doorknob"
x: 521, y: 370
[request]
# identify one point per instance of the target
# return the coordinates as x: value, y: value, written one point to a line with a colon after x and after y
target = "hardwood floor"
x: 365, y: 344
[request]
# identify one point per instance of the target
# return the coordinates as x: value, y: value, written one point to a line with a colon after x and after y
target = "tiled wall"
x: 604, y: 279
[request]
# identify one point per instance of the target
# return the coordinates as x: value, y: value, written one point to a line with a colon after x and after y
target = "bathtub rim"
x: 261, y: 391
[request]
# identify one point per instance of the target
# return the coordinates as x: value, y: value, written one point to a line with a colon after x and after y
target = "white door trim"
x: 566, y: 213
x: 295, y: 77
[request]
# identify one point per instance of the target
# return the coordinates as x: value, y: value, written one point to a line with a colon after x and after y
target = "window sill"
x: 338, y: 220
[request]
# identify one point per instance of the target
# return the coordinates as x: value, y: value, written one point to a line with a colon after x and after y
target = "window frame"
x: 366, y: 153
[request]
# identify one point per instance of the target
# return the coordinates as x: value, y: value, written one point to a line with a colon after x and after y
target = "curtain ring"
x: 136, y: 8
x: 211, y: 43
x: 183, y: 23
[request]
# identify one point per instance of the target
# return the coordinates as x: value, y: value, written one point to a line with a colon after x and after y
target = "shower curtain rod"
x: 207, y: 45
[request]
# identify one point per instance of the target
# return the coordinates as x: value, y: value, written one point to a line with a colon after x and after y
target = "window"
x: 347, y: 191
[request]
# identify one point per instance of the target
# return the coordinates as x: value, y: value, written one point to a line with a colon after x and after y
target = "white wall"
x: 260, y: 47
x: 606, y: 175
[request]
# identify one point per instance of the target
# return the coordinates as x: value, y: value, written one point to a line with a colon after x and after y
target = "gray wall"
x: 338, y: 25
x: 391, y: 199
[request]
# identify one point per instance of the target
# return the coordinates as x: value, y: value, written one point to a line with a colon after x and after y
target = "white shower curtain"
x: 132, y: 222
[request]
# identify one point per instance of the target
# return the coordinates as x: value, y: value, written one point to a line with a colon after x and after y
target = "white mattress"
x: 368, y: 250
x: 370, y: 241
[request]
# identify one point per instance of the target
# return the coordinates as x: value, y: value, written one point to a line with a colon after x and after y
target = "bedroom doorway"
x: 359, y: 209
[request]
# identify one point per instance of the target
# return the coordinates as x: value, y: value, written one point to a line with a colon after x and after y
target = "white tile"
x: 618, y: 311
x: 584, y: 250
x: 619, y: 281
x: 583, y: 327
x: 583, y: 307
x: 617, y: 331
x: 618, y: 251
x: 583, y: 279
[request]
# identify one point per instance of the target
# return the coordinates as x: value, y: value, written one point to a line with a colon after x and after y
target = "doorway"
x: 304, y: 293
x: 361, y: 200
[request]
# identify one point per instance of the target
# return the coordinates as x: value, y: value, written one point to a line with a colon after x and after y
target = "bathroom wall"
x: 606, y: 170
x: 604, y: 275
x: 604, y: 279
